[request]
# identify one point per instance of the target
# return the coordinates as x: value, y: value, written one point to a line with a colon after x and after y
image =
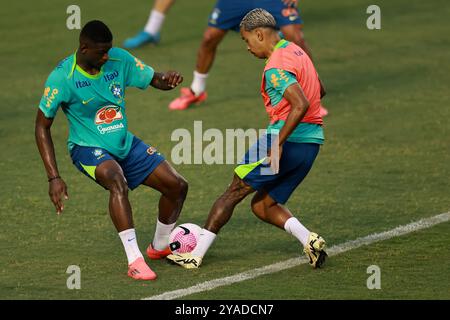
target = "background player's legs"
x: 268, y: 210
x: 173, y: 188
x: 157, y: 16
x: 163, y: 6
x: 151, y: 31
x: 294, y: 33
x: 207, y: 51
x: 205, y: 58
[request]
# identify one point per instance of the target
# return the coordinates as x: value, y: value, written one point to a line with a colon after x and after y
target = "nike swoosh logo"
x: 87, y: 101
x: 186, y: 230
x: 131, y: 239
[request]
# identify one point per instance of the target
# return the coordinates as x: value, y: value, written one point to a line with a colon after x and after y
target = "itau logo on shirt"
x: 108, y: 114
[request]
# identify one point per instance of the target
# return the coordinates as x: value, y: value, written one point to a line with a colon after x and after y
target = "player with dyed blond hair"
x: 292, y: 94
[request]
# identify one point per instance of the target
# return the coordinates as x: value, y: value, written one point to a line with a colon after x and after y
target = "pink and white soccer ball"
x: 184, y: 238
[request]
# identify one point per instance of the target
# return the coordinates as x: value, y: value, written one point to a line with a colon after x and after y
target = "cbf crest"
x: 117, y: 91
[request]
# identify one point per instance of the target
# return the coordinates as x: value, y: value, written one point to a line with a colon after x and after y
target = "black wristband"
x: 53, y: 178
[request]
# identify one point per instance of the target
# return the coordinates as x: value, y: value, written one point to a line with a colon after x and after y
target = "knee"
x: 178, y: 188
x: 182, y: 187
x: 258, y: 208
x: 210, y: 40
x: 118, y: 184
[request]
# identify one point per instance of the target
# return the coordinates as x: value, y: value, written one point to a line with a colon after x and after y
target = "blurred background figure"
x: 151, y: 32
x: 226, y: 15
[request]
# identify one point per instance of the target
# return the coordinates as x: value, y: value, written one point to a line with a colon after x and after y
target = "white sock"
x: 162, y: 233
x: 129, y: 242
x: 199, y: 83
x: 294, y: 227
x: 154, y: 23
x: 205, y: 241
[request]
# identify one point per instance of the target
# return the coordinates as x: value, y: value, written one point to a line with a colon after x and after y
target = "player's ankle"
x: 198, y: 85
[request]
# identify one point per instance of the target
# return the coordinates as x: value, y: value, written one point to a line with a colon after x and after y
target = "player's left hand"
x: 172, y: 79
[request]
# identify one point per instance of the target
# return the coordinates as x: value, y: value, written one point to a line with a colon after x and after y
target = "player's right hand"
x: 57, y: 190
x: 273, y: 159
x: 291, y: 3
x: 172, y: 78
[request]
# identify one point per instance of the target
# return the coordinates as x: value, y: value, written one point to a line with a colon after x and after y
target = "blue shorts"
x: 295, y: 163
x: 227, y: 14
x: 137, y: 166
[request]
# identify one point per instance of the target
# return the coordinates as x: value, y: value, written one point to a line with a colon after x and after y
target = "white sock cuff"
x: 206, y: 238
x: 126, y: 232
x: 297, y: 229
x: 129, y: 241
x: 154, y: 22
x: 200, y: 75
x: 162, y: 233
x: 157, y: 14
x: 199, y: 83
x: 289, y: 224
x: 164, y: 228
x: 208, y: 233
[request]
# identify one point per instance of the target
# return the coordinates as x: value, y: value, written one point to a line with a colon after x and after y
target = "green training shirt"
x: 95, y: 104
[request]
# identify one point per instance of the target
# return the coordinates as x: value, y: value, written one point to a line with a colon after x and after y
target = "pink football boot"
x: 187, y: 98
x: 157, y: 254
x: 139, y: 270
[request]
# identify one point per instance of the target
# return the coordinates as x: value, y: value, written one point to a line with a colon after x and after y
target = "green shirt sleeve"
x: 277, y: 81
x: 137, y: 73
x: 55, y: 93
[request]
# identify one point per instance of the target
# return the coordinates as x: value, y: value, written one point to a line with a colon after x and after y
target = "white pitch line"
x: 290, y: 263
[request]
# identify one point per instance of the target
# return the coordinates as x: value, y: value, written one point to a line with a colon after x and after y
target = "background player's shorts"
x: 137, y: 166
x: 295, y: 163
x: 227, y: 14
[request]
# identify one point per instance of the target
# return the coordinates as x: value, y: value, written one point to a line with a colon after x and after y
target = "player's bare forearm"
x: 57, y: 187
x: 166, y: 81
x: 299, y: 105
x: 45, y: 144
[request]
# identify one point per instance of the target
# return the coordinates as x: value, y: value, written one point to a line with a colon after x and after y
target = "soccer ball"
x: 184, y: 238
